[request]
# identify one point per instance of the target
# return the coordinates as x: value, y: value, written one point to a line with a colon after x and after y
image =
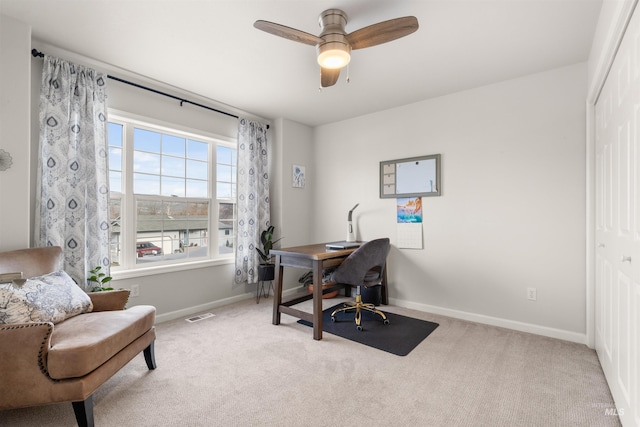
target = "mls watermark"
x: 617, y: 412
x: 610, y: 409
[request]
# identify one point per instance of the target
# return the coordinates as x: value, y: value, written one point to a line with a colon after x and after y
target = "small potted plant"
x: 100, y: 278
x: 266, y: 269
x: 107, y: 298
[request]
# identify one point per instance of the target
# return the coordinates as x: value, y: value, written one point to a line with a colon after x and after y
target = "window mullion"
x: 129, y: 205
x: 215, y: 206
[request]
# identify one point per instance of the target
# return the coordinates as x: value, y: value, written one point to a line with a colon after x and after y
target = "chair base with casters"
x: 363, y: 267
x: 358, y: 306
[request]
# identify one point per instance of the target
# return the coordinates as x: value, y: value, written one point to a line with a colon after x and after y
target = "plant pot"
x: 332, y: 294
x: 266, y: 272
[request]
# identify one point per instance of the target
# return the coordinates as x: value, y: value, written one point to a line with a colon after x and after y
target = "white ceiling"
x: 210, y: 47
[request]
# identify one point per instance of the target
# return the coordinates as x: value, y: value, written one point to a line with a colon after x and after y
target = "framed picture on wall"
x: 298, y: 176
x: 411, y: 177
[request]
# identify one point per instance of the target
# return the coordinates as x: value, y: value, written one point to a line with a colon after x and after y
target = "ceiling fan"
x: 334, y: 45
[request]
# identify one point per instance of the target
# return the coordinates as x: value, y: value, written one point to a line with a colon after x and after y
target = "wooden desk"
x: 315, y: 258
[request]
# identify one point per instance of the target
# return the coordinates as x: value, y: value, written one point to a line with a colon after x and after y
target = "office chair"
x: 363, y: 267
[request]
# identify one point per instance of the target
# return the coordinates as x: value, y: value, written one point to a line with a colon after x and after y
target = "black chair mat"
x: 401, y: 336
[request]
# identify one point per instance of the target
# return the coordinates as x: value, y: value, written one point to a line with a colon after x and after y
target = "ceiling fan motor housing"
x: 335, y: 45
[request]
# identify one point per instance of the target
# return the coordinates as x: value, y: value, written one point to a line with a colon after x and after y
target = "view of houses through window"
x: 163, y: 206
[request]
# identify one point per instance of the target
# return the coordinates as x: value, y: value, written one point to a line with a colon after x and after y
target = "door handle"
x: 626, y: 259
x: 601, y: 245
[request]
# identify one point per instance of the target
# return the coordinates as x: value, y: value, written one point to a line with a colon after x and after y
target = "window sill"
x: 162, y: 269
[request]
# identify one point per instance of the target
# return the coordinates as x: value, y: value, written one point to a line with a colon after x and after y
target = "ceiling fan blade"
x: 288, y: 33
x: 328, y: 76
x: 382, y: 32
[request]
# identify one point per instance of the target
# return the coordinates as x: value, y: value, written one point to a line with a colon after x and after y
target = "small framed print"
x: 298, y: 176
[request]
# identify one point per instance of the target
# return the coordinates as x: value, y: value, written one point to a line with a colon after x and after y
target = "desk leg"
x: 277, y: 292
x: 317, y: 300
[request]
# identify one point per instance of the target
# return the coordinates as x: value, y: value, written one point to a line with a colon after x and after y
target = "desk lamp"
x: 351, y: 235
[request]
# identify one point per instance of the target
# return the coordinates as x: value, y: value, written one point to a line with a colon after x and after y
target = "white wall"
x: 291, y: 207
x: 512, y: 212
x: 15, y: 42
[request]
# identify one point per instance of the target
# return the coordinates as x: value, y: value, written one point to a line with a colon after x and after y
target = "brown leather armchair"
x: 43, y: 363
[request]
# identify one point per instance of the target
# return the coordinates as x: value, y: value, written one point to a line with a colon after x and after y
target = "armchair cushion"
x: 82, y: 344
x: 52, y: 298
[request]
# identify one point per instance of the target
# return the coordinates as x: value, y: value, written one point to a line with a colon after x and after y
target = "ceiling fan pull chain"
x: 348, y: 78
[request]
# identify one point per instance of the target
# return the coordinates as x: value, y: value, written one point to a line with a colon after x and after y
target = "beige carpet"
x: 237, y: 369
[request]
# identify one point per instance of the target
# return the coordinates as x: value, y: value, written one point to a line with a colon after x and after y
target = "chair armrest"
x: 23, y: 357
x: 109, y: 300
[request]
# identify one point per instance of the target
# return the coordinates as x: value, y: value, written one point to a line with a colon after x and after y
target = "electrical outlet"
x: 532, y: 294
x: 135, y: 290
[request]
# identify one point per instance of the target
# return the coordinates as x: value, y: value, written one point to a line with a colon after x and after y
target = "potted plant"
x: 100, y: 278
x: 116, y: 300
x: 266, y: 269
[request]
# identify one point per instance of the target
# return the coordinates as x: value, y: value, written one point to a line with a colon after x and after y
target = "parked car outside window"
x: 147, y: 248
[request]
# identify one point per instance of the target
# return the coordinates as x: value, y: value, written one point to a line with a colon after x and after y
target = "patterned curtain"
x: 253, y: 197
x: 73, y: 187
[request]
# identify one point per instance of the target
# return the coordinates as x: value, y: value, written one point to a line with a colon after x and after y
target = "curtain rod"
x: 36, y: 53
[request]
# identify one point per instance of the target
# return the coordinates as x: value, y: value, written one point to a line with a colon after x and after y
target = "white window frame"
x: 128, y: 266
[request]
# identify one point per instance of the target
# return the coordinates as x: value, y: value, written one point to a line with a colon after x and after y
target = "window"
x: 172, y: 194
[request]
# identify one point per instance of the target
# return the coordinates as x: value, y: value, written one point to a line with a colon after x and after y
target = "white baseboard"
x: 472, y: 317
x: 185, y: 312
x: 494, y: 321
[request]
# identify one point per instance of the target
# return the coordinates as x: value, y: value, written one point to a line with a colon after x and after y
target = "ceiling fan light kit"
x: 334, y: 45
x: 333, y: 55
x: 334, y: 52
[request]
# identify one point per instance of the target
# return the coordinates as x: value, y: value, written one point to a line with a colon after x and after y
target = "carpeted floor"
x: 237, y: 369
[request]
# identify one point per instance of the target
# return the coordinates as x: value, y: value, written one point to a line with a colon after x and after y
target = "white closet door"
x: 618, y: 227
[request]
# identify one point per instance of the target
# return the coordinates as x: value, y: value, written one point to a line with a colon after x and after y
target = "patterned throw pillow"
x: 50, y: 298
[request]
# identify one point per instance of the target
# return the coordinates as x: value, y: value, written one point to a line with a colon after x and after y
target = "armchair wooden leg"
x: 150, y: 356
x: 84, y: 412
